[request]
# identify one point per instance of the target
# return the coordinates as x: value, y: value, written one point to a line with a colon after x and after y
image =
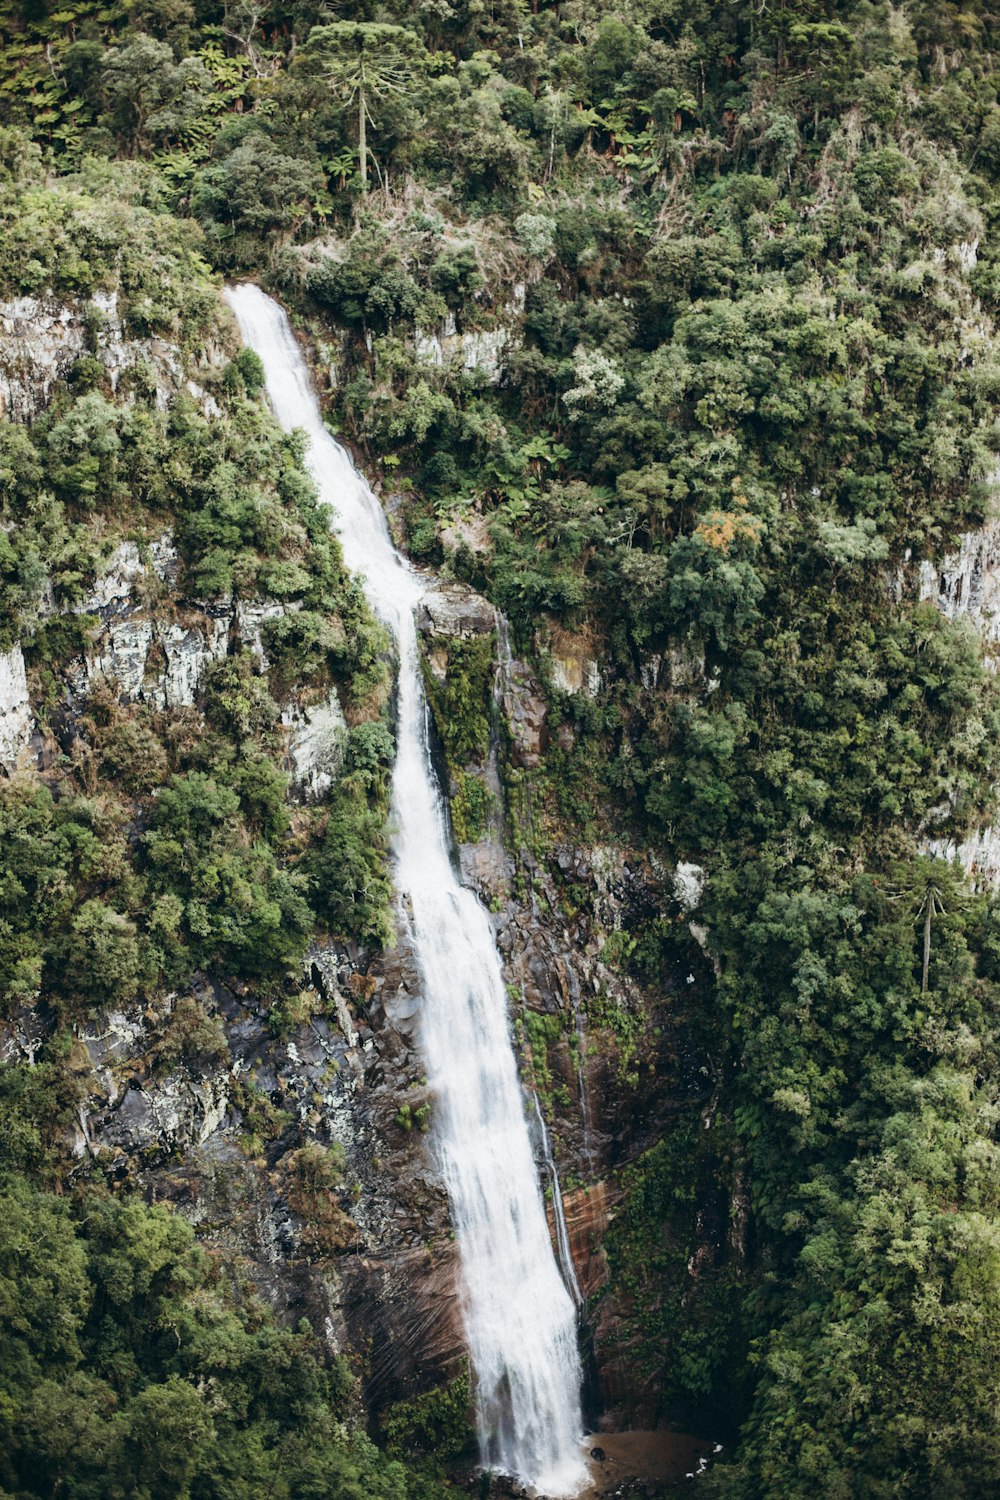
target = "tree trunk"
x: 363, y: 136
x: 927, y: 942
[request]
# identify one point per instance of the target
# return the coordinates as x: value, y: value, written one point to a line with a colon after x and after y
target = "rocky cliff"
x: 292, y: 1131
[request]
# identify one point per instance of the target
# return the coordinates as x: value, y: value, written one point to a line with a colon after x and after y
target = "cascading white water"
x: 558, y: 1212
x: 519, y: 1319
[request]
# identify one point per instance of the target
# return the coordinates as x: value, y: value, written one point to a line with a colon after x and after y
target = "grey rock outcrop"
x: 189, y: 650
x: 967, y: 583
x: 250, y: 618
x: 454, y: 610
x: 121, y: 572
x: 525, y: 710
x: 979, y: 855
x: 116, y: 580
x: 573, y: 667
x: 317, y: 738
x: 161, y: 662
x: 486, y: 350
x: 119, y: 656
x: 41, y: 338
x: 15, y: 711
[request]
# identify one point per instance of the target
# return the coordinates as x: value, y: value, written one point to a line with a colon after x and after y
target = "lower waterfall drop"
x: 519, y: 1318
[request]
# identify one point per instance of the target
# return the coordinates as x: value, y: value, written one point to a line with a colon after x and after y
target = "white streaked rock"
x: 15, y: 711
x: 189, y: 651
x: 967, y: 582
x: 979, y: 856
x: 317, y: 740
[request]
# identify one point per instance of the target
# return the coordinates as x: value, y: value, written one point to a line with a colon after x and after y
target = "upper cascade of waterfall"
x: 520, y: 1320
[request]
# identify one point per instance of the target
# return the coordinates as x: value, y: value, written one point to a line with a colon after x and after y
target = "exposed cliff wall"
x: 41, y: 338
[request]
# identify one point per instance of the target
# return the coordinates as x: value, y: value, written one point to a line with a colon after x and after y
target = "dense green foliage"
x: 162, y: 844
x: 158, y: 842
x: 461, y: 704
x: 756, y: 387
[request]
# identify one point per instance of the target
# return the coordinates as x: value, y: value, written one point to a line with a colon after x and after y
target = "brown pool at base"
x: 659, y: 1457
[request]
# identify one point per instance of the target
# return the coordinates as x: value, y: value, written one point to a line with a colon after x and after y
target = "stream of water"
x: 519, y: 1318
x: 563, y: 1248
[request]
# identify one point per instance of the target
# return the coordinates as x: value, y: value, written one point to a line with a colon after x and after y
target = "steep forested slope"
x: 671, y: 329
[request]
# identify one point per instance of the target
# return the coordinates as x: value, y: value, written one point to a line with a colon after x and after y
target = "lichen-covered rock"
x: 116, y: 579
x: 486, y: 350
x: 37, y: 346
x: 120, y: 573
x: 176, y: 1113
x: 689, y: 882
x: 979, y: 856
x: 163, y: 559
x: 162, y: 662
x: 317, y: 738
x: 119, y: 656
x: 15, y: 711
x: 40, y: 339
x: 158, y: 661
x: 572, y: 665
x: 188, y: 650
x: 967, y: 582
x: 250, y: 618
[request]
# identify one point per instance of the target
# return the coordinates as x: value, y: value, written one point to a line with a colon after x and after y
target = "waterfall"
x: 558, y: 1212
x: 504, y: 659
x: 519, y: 1319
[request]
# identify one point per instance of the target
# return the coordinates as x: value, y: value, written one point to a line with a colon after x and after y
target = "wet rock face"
x: 611, y: 1055
x: 608, y: 1107
x: 615, y: 1061
x: 525, y: 709
x: 588, y: 1213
